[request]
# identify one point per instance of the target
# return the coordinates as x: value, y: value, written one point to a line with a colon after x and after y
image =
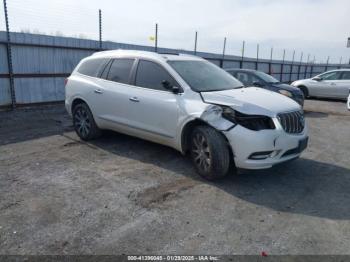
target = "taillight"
x: 65, y: 81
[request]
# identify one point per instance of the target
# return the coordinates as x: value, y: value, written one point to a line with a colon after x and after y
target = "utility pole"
x: 156, y: 40
x: 312, y: 66
x: 270, y: 64
x: 271, y: 53
x: 242, y: 54
x: 307, y: 65
x: 224, y: 49
x: 9, y: 58
x: 348, y: 45
x: 291, y: 67
x: 257, y: 56
x: 327, y: 63
x: 299, y: 68
x: 282, y: 65
x: 100, y: 26
x: 195, y: 43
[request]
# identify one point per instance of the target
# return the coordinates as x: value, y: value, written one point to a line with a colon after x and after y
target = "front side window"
x: 120, y: 70
x: 330, y: 76
x: 244, y: 78
x: 151, y: 75
x: 203, y: 76
x: 92, y: 67
x: 345, y: 75
x: 267, y: 78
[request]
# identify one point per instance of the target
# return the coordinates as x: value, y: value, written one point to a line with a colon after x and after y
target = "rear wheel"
x: 209, y: 152
x: 84, y: 123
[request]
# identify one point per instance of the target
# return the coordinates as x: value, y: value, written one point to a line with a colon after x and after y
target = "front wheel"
x: 84, y: 123
x: 305, y: 91
x: 209, y: 152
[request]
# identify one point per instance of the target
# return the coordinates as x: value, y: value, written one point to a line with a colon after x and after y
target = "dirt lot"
x: 124, y: 195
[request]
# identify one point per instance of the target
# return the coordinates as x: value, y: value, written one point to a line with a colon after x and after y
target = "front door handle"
x: 333, y: 84
x: 98, y: 91
x: 134, y: 99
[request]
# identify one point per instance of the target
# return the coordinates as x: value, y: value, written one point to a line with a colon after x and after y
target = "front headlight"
x: 252, y: 122
x: 285, y: 93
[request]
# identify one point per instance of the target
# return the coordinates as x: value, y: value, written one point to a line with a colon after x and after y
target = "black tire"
x: 212, y: 159
x: 305, y: 91
x: 84, y: 123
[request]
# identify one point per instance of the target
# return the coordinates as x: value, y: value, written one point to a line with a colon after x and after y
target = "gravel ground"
x: 122, y: 195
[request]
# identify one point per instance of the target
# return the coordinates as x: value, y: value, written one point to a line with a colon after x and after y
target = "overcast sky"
x: 315, y: 27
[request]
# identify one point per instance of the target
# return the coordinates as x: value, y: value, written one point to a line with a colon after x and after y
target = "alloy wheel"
x: 201, y: 152
x: 82, y: 122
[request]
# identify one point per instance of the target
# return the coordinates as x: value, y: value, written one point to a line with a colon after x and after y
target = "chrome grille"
x: 292, y: 122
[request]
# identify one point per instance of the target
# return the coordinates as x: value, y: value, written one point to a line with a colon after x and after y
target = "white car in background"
x: 187, y: 103
x: 331, y: 84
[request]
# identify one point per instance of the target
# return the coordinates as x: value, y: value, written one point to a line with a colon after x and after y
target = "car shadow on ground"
x: 314, y: 114
x: 35, y: 122
x: 303, y: 186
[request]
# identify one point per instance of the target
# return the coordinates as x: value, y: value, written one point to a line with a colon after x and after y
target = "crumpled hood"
x: 252, y: 100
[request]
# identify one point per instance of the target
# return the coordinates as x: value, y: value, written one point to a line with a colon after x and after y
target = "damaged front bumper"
x: 265, y: 148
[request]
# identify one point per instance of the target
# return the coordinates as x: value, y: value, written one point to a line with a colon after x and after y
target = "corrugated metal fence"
x: 41, y: 63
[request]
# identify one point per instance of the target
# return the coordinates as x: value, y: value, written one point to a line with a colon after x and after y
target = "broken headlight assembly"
x: 285, y: 93
x: 252, y: 122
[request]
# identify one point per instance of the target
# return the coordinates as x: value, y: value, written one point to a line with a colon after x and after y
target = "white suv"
x: 186, y: 103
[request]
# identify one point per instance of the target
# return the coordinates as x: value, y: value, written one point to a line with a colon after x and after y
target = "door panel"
x: 344, y: 85
x: 112, y: 96
x: 331, y: 89
x: 113, y: 103
x: 327, y: 87
x: 153, y: 111
x: 316, y: 88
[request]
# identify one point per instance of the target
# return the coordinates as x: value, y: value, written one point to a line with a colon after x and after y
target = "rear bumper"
x: 283, y: 146
x: 68, y: 107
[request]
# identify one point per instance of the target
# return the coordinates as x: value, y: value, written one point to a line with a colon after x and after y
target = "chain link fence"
x: 43, y: 43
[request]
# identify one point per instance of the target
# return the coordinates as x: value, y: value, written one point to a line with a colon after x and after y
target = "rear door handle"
x: 134, y: 99
x: 98, y: 91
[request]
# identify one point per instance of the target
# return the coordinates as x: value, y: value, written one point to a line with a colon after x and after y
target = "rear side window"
x: 120, y: 70
x: 92, y: 67
x: 151, y: 75
x: 105, y: 71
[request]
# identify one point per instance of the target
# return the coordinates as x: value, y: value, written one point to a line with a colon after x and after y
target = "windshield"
x: 267, y: 78
x: 203, y: 76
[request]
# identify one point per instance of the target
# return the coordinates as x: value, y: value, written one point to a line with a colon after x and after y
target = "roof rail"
x: 182, y: 54
x: 168, y: 53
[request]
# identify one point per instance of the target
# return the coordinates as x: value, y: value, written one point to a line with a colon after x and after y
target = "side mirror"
x: 317, y: 78
x: 167, y: 85
x: 256, y: 83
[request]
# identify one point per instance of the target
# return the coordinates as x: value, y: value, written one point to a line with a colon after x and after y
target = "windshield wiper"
x: 214, y: 90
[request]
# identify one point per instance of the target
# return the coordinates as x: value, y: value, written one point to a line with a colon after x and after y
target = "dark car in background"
x: 260, y: 79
